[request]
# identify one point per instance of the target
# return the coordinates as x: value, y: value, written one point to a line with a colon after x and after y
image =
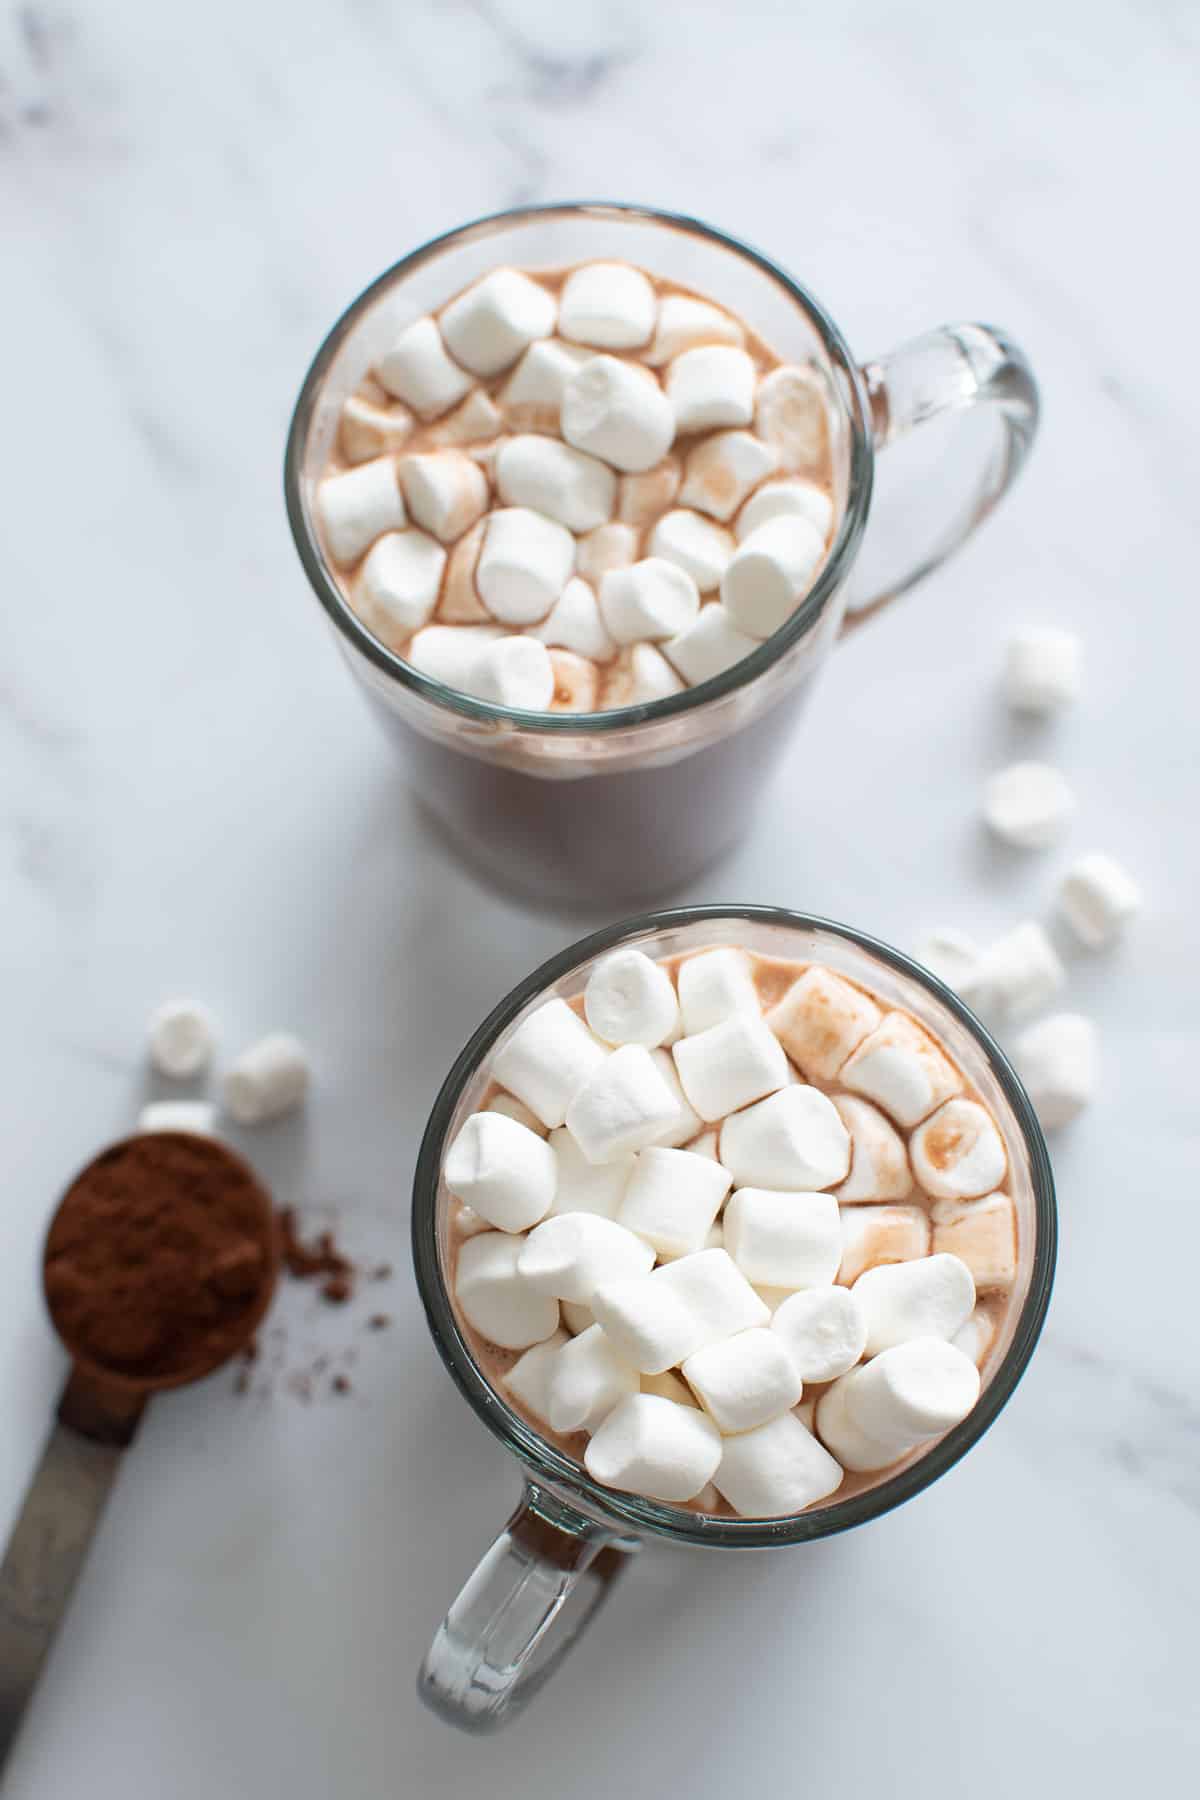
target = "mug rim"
x: 741, y: 674
x: 547, y: 1463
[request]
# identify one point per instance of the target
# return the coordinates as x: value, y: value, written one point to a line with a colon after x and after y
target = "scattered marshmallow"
x: 617, y: 412
x: 878, y: 1413
x: 1098, y: 898
x: 525, y: 564
x: 711, y: 386
x: 1056, y: 1059
x: 573, y: 1254
x: 588, y: 1380
x: 708, y: 646
x: 778, y: 499
x: 957, y: 1153
x: 547, y: 1060
x: 575, y: 623
x: 873, y: 1236
x: 982, y: 1234
x: 658, y: 1320
x: 696, y: 545
x: 673, y: 1198
x: 366, y: 430
x: 650, y: 599
x: 358, y: 506
x: 528, y: 1381
x: 512, y: 1108
x: 399, y: 584
x: 418, y: 371
x: 611, y: 546
x: 460, y: 603
x: 821, y: 1020
x: 1041, y: 669
x: 585, y: 1187
x: 824, y: 1329
x: 502, y: 1170
x: 776, y: 1469
x: 531, y: 399
x: 556, y: 480
x: 723, y: 469
x: 623, y: 1105
x: 608, y: 306
x: 516, y: 672
x: 745, y: 1380
x: 1019, y: 974
x: 977, y: 1336
x: 495, y: 1300
x: 729, y: 1065
x: 196, y: 1118
x: 879, y: 1167
x: 770, y: 572
x: 640, y: 675
x: 794, y: 1141
x: 899, y: 1066
x: 629, y: 999
x: 714, y: 985
x: 650, y: 1446
x: 643, y: 498
x: 445, y: 491
x: 687, y: 1122
x: 686, y: 324
x: 576, y: 682
x: 781, y: 1239
x: 1028, y: 804
x: 267, y: 1080
x: 932, y: 1297
x: 952, y: 956
x: 487, y: 328
x: 180, y: 1038
x: 450, y: 653
x: 791, y: 414
x: 477, y: 420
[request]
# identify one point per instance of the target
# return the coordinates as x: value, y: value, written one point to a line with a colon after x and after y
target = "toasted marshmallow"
x: 778, y: 1468
x: 729, y: 1065
x: 547, y: 1060
x: 957, y: 1153
x: 670, y: 1386
x: 608, y: 306
x: 723, y: 469
x: 359, y: 506
x: 418, y: 371
x: 1019, y: 974
x: 770, y: 572
x: 784, y: 1240
x: 876, y: 1414
x: 1056, y: 1059
x: 673, y: 1198
x: 577, y: 1319
x: 791, y: 414
x: 617, y: 412
x: 694, y: 544
x: 366, y: 430
x: 180, y: 1038
x: 574, y: 623
x: 630, y: 1000
x: 267, y: 1080
x: 623, y: 1105
x: 707, y: 647
x: 502, y: 1170
x: 1098, y: 898
x: 875, y: 1235
x: 977, y: 1336
x: 899, y: 1066
x: 657, y: 1321
x: 686, y: 324
x: 460, y: 603
x: 528, y: 1381
x: 573, y: 1254
x: 1028, y: 804
x: 451, y: 653
x: 779, y: 499
x: 1041, y: 669
x: 399, y: 584
x: 982, y: 1234
x: 477, y: 420
x: 576, y: 682
x: 586, y: 1187
x: 588, y: 1380
x: 525, y: 564
x: 446, y: 492
x: 195, y: 1118
x: 639, y: 675
x: 745, y: 1380
x: 611, y: 546
x: 711, y: 386
x: 952, y: 956
x: 517, y: 672
x: 824, y: 1329
x: 821, y: 1020
x: 653, y: 1447
x: 793, y: 1142
x: 651, y: 599
x: 643, y: 498
x: 511, y: 1108
x: 487, y: 328
x: 494, y: 1297
x: 715, y: 985
x: 878, y: 1159
x: 932, y: 1297
x: 687, y: 1122
x: 531, y: 398
x: 555, y: 480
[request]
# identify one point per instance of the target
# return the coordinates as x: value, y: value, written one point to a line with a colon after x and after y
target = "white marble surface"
x: 192, y: 798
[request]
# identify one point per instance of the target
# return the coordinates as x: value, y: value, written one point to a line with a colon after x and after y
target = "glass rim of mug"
x: 618, y: 719
x: 548, y: 1463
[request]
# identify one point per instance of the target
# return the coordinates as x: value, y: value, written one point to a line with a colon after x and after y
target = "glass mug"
x: 564, y: 805
x: 559, y: 1554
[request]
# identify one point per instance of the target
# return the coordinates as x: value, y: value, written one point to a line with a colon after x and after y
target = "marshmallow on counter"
x: 776, y: 499
x: 1056, y: 1060
x: 711, y: 386
x: 512, y: 1108
x: 694, y: 544
x: 770, y: 572
x: 366, y: 430
x: 650, y: 599
x: 957, y: 1153
x: 555, y: 480
x: 267, y: 1080
x: 639, y: 675
x: 460, y: 603
x: 450, y: 653
x: 398, y: 585
x: 899, y: 1066
x: 643, y: 498
x: 707, y: 647
x: 873, y: 1236
x: 1041, y: 669
x: 446, y: 492
x: 531, y: 398
x: 1098, y: 898
x: 824, y: 1329
x: 1028, y: 804
x: 687, y: 1123
x: 516, y: 672
x: 672, y: 1199
x: 791, y: 414
x: 821, y: 1020
x: 585, y: 1187
x: 878, y: 1159
x: 588, y: 1379
x: 576, y: 1318
x: 781, y: 1239
x: 358, y: 506
x: 608, y: 306
x: 745, y: 1380
x: 574, y: 623
x: 1019, y: 974
x: 723, y: 469
x: 576, y: 682
x: 196, y: 1118
x: 547, y: 1060
x: 650, y: 1446
x: 495, y: 1299
x: 630, y: 1000
x: 180, y: 1038
x: 670, y: 1386
x: 489, y: 326
x: 686, y: 324
x: 932, y: 1297
x: 793, y: 1141
x: 982, y: 1234
x: 952, y: 956
x: 878, y: 1413
x: 502, y: 1170
x: 525, y: 564
x: 714, y: 985
x: 657, y: 1321
x: 573, y: 1254
x: 623, y: 1105
x: 618, y: 412
x: 729, y: 1065
x: 528, y: 1381
x: 611, y: 546
x: 477, y: 420
x: 778, y: 1468
x: 977, y: 1336
x: 418, y: 371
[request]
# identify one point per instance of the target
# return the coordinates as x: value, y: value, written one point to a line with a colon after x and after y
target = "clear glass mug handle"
x: 528, y: 1601
x: 947, y: 371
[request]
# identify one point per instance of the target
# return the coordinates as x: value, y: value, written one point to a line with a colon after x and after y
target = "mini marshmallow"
x: 723, y: 469
x: 1098, y: 898
x: 643, y: 498
x: 714, y: 986
x: 686, y: 1123
x: 525, y: 564
x: 460, y: 603
x: 528, y: 1381
x: 694, y: 544
x: 875, y: 1235
x: 651, y: 599
x: 711, y: 386
x: 180, y: 1038
x: 791, y: 413
x: 670, y: 1386
x: 585, y: 1187
x: 399, y: 584
x: 672, y: 1199
x: 711, y: 644
x: 1028, y: 804
x: 357, y: 507
x: 952, y: 956
x: 450, y: 653
x: 639, y: 675
x: 932, y: 1297
x: 653, y: 1447
x: 553, y: 479
x: 367, y: 430
x: 957, y: 1153
x: 623, y: 1105
x: 418, y: 371
x: 531, y: 398
x: 745, y: 1380
x: 729, y: 1065
x: 573, y: 1254
x: 685, y: 324
x: 899, y: 1066
x: 1019, y: 974
x: 502, y: 1170
x: 982, y: 1234
x: 630, y: 1000
x: 446, y: 492
x: 876, y: 1414
x: 784, y: 1240
x: 576, y: 1318
x: 512, y: 1108
x: 776, y: 1469
x: 878, y: 1159
x: 196, y: 1118
x: 576, y: 682
x: 792, y: 1142
x: 495, y: 1300
x: 575, y: 624
x: 547, y: 1060
x: 267, y: 1080
x: 770, y: 572
x: 1041, y: 669
x: 1056, y: 1059
x: 977, y: 1336
x: 617, y: 412
x: 588, y: 1380
x: 820, y: 1020
x: 476, y: 421
x: 611, y: 546
x: 607, y: 305
x: 658, y: 1320
x: 487, y: 328
x: 824, y: 1329
x: 776, y: 499
x: 517, y: 672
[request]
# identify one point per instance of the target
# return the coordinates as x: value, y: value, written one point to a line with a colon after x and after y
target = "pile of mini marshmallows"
x: 523, y: 525
x: 1029, y: 805
x: 269, y: 1078
x: 698, y: 1285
